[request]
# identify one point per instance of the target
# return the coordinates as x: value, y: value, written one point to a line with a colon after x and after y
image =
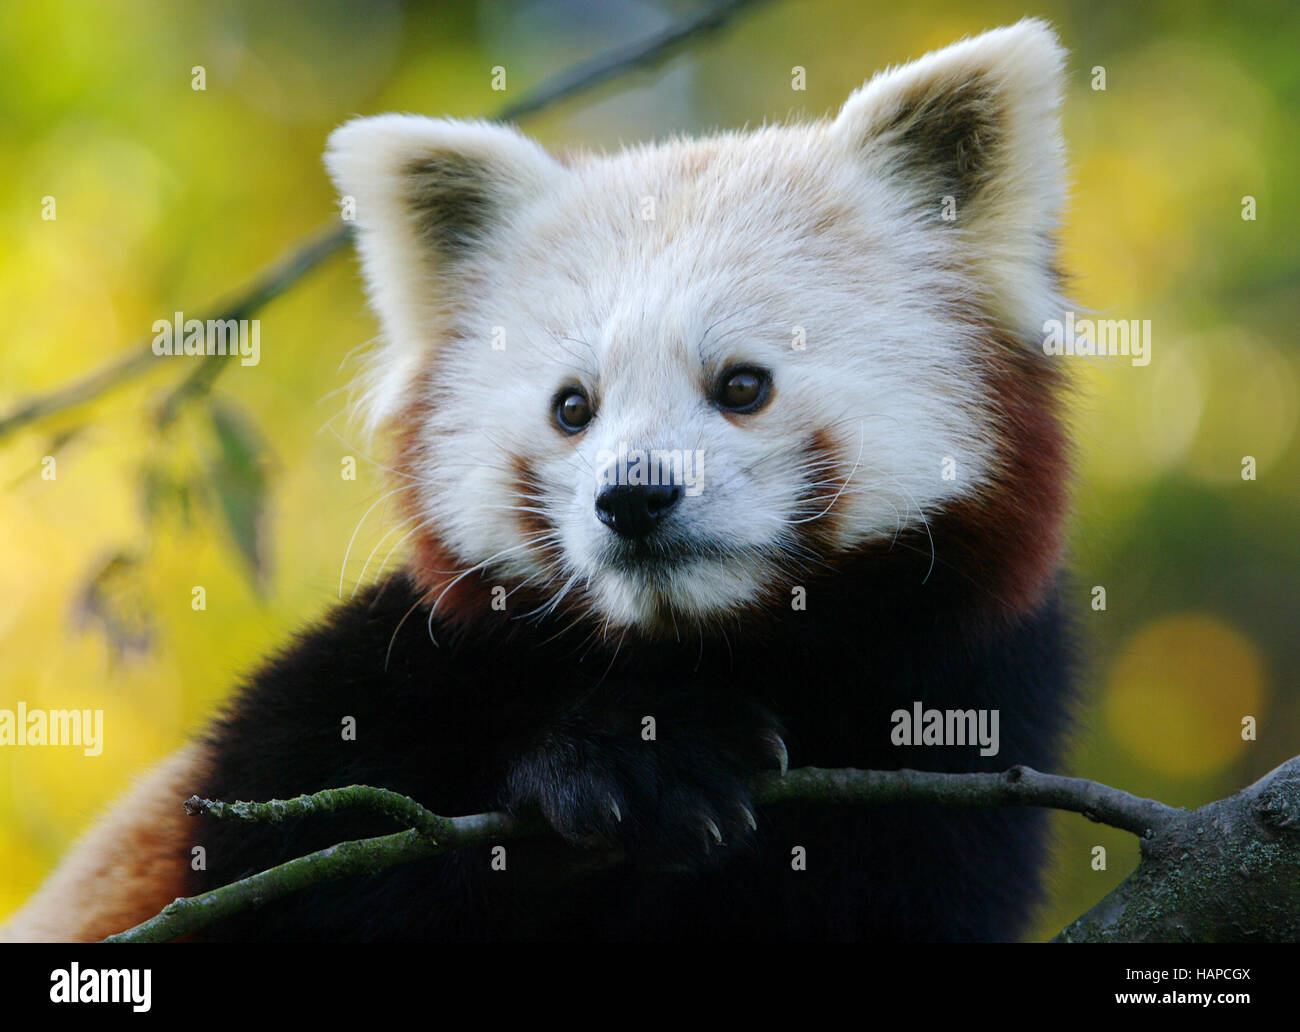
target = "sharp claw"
x: 713, y: 830
x: 618, y: 814
x: 778, y: 748
x: 749, y: 818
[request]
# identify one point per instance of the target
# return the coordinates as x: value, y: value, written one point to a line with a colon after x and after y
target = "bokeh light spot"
x: 1176, y: 695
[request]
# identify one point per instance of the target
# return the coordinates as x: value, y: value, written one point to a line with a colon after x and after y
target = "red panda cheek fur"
x: 432, y: 565
x: 1011, y: 534
x: 1019, y: 530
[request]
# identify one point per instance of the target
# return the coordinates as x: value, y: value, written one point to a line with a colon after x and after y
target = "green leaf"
x: 238, y: 476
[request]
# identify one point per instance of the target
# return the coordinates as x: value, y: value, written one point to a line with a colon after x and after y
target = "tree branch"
x: 1226, y: 872
x: 286, y: 272
x: 1229, y: 870
x: 647, y: 53
x: 348, y: 859
x: 402, y: 809
x: 1019, y: 786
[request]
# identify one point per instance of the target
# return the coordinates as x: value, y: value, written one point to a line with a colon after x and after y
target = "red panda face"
x: 659, y: 387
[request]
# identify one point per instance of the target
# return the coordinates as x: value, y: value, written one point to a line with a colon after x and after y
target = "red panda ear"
x: 427, y: 196
x: 971, y: 133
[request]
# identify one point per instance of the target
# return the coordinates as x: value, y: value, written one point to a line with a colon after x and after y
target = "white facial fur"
x: 817, y: 252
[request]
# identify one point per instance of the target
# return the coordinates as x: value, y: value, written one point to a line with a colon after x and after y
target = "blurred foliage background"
x: 169, y: 198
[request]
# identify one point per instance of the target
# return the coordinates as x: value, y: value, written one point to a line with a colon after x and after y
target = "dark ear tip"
x: 948, y: 135
x: 448, y: 195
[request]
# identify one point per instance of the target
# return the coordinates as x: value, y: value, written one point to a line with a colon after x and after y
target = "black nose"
x: 633, y: 510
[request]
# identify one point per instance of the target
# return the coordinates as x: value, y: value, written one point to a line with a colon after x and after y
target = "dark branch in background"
x: 288, y: 271
x: 646, y: 54
x: 1227, y: 871
x: 268, y: 286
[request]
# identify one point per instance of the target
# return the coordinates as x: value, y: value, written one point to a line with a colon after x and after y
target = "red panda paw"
x: 677, y: 799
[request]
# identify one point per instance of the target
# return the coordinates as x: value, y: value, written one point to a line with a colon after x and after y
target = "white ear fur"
x: 428, y: 193
x: 977, y: 121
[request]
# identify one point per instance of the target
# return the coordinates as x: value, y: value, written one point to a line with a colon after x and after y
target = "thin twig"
x: 345, y: 860
x: 645, y: 53
x: 401, y: 808
x: 1019, y: 786
x: 272, y: 282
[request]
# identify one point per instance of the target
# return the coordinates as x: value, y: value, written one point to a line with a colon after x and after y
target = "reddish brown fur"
x: 1022, y: 522
x: 126, y: 868
x: 432, y: 564
x: 828, y: 482
x: 1008, y: 540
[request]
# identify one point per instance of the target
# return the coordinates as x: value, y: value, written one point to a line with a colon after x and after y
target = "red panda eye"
x: 572, y: 411
x: 743, y: 390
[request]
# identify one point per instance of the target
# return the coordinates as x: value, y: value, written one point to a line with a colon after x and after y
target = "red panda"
x: 747, y: 440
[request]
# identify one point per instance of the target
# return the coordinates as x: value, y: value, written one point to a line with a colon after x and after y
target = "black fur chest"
x: 479, y: 723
